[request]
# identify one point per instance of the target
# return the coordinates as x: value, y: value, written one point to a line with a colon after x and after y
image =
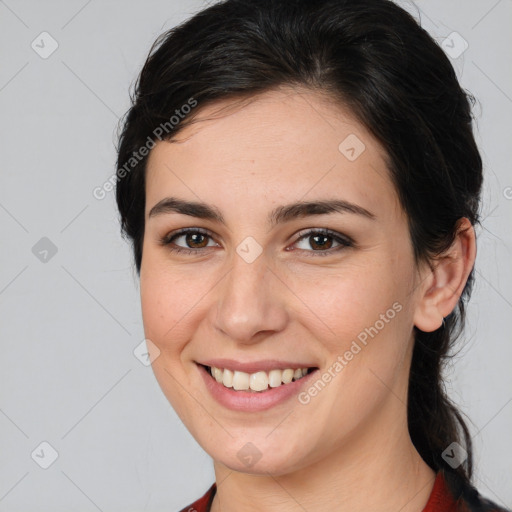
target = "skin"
x: 246, y: 159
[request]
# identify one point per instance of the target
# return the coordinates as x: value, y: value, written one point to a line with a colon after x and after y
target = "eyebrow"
x: 281, y: 214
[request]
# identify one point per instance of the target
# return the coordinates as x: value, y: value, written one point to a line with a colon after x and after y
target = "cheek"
x: 173, y: 300
x: 347, y: 300
x: 365, y: 327
x: 164, y: 301
x: 166, y: 306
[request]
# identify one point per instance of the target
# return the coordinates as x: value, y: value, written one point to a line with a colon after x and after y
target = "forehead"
x: 285, y: 118
x: 283, y: 143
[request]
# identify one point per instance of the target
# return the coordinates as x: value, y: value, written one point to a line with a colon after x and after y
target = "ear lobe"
x: 441, y: 290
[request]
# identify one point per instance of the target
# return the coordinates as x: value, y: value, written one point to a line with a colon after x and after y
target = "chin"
x: 263, y: 467
x: 258, y: 457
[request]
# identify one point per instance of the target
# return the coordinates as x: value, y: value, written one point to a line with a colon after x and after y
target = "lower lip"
x: 247, y: 401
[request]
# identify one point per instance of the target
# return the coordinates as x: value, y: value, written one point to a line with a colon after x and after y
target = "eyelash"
x: 343, y: 240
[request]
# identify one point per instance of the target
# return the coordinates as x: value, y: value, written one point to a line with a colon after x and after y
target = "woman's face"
x: 263, y: 287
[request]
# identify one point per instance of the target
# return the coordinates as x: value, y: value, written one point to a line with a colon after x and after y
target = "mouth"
x: 257, y: 382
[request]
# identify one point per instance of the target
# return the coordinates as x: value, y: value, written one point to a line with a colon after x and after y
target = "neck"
x: 376, y: 470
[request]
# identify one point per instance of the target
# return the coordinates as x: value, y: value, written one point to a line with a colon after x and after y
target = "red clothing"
x: 449, y: 494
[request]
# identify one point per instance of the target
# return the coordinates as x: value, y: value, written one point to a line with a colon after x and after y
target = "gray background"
x: 70, y: 321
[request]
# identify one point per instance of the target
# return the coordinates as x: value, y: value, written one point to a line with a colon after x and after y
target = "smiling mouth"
x: 257, y: 382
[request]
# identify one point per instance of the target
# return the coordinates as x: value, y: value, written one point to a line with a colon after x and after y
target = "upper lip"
x: 254, y: 366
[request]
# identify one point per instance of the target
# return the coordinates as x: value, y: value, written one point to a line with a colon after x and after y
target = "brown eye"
x: 321, y: 242
x: 195, y: 239
x: 191, y: 241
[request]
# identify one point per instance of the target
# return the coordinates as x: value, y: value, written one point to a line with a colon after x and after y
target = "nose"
x: 250, y: 301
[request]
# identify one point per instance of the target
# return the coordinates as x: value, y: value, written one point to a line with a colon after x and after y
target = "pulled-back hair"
x: 372, y: 57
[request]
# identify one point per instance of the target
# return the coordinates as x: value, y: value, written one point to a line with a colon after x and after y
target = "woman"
x: 300, y: 182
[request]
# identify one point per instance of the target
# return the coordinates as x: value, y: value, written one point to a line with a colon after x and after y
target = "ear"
x: 442, y: 284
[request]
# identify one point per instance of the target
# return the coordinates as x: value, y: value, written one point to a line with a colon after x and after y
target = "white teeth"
x: 217, y: 373
x: 258, y: 381
x: 227, y: 378
x: 287, y: 376
x: 240, y: 380
x: 274, y: 378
